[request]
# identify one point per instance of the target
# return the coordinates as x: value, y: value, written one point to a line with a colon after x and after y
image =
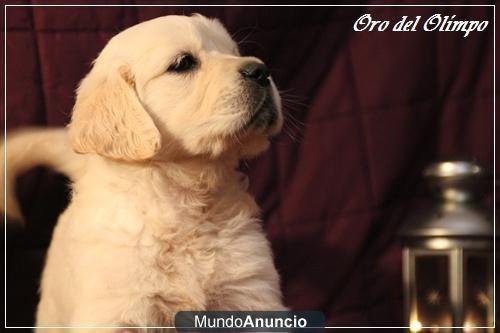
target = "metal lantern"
x: 448, y: 253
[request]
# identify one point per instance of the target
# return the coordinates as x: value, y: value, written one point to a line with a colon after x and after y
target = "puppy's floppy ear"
x: 108, y: 118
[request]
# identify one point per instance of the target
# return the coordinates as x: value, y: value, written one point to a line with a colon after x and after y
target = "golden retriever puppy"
x: 159, y: 220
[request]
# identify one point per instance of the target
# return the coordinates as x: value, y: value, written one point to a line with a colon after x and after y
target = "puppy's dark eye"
x: 184, y: 63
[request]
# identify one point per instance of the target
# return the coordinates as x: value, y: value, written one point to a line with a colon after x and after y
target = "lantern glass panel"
x: 432, y: 291
x: 477, y: 291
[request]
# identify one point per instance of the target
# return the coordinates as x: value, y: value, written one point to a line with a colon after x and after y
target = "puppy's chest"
x: 194, y: 240
x: 159, y: 242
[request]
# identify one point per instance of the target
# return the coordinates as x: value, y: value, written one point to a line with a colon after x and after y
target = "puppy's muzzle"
x: 256, y: 72
x: 257, y: 78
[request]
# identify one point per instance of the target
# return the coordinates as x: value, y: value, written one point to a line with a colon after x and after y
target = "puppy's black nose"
x: 256, y: 72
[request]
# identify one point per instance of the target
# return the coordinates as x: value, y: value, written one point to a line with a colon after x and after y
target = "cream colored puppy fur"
x: 159, y: 219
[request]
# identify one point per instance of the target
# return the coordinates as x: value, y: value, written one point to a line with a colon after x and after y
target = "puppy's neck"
x: 200, y: 174
x: 195, y: 174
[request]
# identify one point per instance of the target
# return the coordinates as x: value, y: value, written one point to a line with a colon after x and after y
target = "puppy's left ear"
x: 109, y: 119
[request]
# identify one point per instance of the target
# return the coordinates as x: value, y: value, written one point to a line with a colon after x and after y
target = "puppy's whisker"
x: 286, y: 91
x: 298, y: 108
x: 291, y: 97
x: 293, y: 108
x: 294, y: 127
x: 252, y: 42
x: 251, y: 28
x: 294, y: 99
x: 291, y: 135
x: 289, y: 116
x: 245, y: 38
x: 290, y: 125
x: 294, y: 119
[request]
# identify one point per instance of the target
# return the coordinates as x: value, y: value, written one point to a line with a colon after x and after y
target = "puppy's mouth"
x: 264, y: 115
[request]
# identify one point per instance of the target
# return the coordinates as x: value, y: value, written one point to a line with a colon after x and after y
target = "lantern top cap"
x: 453, y: 168
x: 455, y: 209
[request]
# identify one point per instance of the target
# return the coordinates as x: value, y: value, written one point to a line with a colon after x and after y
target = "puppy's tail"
x: 25, y: 149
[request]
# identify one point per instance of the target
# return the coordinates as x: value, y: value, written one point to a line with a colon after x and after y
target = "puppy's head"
x: 172, y: 87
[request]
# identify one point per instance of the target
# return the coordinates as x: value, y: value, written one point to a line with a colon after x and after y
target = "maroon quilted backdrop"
x: 365, y: 112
